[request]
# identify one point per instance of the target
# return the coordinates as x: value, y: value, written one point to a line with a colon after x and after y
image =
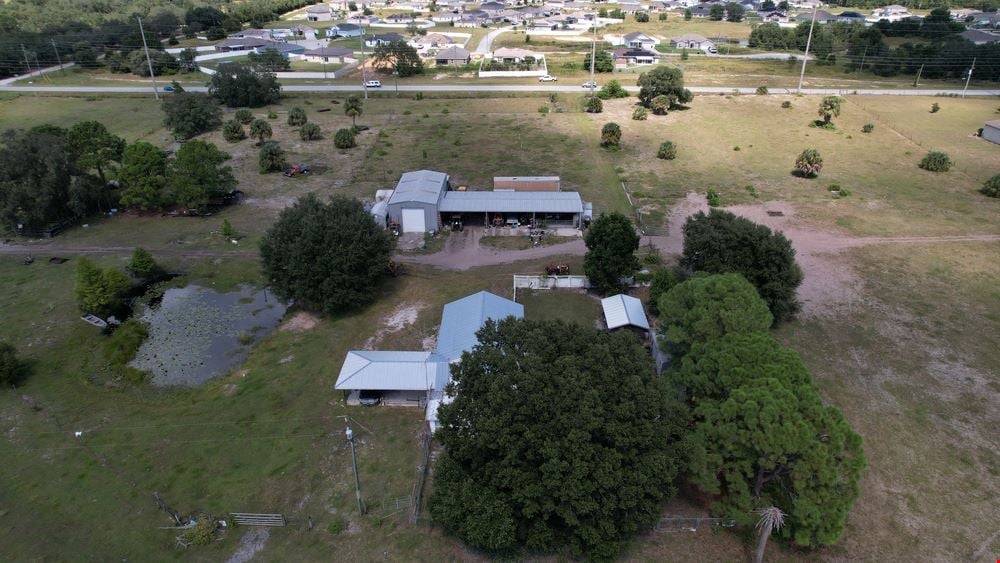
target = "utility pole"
x: 919, y: 72
x: 593, y: 57
x: 58, y: 58
x: 27, y: 63
x: 969, y: 77
x: 354, y: 460
x: 364, y: 86
x: 862, y: 66
x: 809, y: 39
x: 156, y: 93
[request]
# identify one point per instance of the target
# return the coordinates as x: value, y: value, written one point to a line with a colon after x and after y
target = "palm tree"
x: 829, y: 108
x: 352, y: 109
x: 771, y: 519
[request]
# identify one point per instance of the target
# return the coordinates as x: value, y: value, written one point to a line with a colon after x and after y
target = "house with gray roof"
x: 333, y: 55
x: 452, y: 56
x: 345, y: 30
x: 319, y: 13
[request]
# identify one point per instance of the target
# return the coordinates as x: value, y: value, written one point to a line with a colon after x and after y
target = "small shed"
x: 526, y: 183
x: 991, y: 131
x: 624, y: 311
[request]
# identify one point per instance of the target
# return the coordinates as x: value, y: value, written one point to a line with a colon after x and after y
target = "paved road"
x: 541, y: 87
x: 486, y: 43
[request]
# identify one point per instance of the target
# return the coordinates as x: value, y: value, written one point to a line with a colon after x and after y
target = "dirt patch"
x: 402, y: 317
x: 251, y: 543
x: 300, y: 322
x: 276, y: 203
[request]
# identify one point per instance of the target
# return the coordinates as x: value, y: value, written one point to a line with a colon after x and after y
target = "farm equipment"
x: 297, y: 170
x: 456, y: 223
x: 394, y: 228
x: 394, y: 268
x: 556, y: 269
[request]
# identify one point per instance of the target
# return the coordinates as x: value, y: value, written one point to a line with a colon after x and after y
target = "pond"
x: 197, y: 333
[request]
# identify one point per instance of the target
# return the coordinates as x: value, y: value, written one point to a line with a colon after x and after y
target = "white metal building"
x: 991, y: 131
x: 624, y: 311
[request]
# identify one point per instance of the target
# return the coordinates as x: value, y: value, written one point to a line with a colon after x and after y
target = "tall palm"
x: 352, y: 109
x: 771, y: 519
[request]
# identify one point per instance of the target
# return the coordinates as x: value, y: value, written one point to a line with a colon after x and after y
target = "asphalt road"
x: 541, y: 87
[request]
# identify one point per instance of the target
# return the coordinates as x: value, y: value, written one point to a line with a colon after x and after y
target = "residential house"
x: 401, y: 19
x: 774, y: 17
x: 980, y: 36
x: 319, y: 13
x: 448, y: 5
x: 638, y: 40
x: 472, y: 21
x: 266, y: 34
x: 446, y: 17
x: 345, y: 30
x: 804, y: 4
x: 543, y: 25
x: 240, y: 44
x: 691, y: 41
x: 892, y: 13
x: 822, y: 16
x: 332, y: 55
x: 626, y: 56
x: 701, y: 10
x: 851, y: 17
x: 511, y: 16
x: 493, y: 9
x: 302, y: 31
x: 285, y: 49
x: 377, y: 39
x: 628, y: 6
x: 452, y: 56
x: 515, y: 55
x: 431, y: 41
x: 985, y: 19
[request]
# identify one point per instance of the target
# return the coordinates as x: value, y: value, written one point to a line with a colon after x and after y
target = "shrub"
x: 611, y: 135
x: 337, y: 526
x: 594, y: 105
x: 120, y: 348
x: 809, y: 163
x: 272, y: 158
x: 297, y: 117
x: 660, y: 104
x: 936, y: 161
x: 662, y: 16
x: 667, y: 151
x: 991, y: 187
x: 344, y: 139
x: 260, y: 130
x: 935, y: 107
x: 233, y: 131
x: 543, y: 109
x: 12, y: 368
x: 243, y: 115
x: 751, y: 190
x: 640, y: 114
x: 762, y: 90
x: 868, y: 128
x: 418, y: 96
x: 272, y: 115
x: 786, y: 104
x: 612, y: 89
x: 227, y: 229
x: 142, y: 266
x: 713, y: 197
x: 310, y: 132
x: 189, y: 114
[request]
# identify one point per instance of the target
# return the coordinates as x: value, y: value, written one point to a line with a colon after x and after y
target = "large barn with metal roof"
x: 423, y: 201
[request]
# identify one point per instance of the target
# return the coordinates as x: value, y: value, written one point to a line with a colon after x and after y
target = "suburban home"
x: 980, y: 36
x: 511, y: 16
x: 515, y: 55
x: 691, y: 41
x: 446, y: 17
x: 774, y: 17
x: 822, y: 16
x: 400, y: 19
x: 345, y: 30
x: 851, y: 17
x: 236, y: 44
x: 543, y: 25
x: 333, y: 55
x: 892, y: 13
x: 804, y: 4
x: 985, y: 19
x: 422, y: 201
x: 285, y: 49
x: 452, y: 56
x: 254, y: 33
x: 319, y: 13
x: 625, y: 312
x: 302, y: 31
x: 376, y: 40
x: 701, y: 10
x: 493, y: 9
x: 638, y: 40
x: 431, y: 41
x: 626, y: 57
x: 419, y: 378
x: 472, y: 21
x: 991, y: 131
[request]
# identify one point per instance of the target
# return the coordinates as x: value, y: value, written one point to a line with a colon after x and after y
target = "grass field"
x: 911, y: 360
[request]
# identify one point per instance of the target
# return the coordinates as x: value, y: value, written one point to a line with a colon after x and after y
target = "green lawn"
x: 569, y: 305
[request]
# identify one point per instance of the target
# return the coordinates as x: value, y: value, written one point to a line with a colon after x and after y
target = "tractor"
x: 556, y: 269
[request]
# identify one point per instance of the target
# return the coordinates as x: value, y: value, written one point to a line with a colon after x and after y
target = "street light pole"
x: 969, y: 77
x: 395, y: 79
x: 156, y: 93
x: 364, y: 77
x: 802, y: 74
x: 354, y: 461
x: 593, y: 56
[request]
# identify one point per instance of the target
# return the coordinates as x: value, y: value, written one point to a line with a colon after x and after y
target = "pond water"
x: 197, y: 333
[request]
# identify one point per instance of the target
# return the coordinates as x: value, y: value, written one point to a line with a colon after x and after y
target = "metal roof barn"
x: 378, y: 370
x: 622, y: 310
x: 511, y: 202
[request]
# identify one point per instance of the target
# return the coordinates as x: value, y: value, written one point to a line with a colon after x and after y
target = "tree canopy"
x: 707, y: 307
x: 36, y: 175
x: 663, y: 81
x: 398, y: 56
x: 270, y: 60
x: 602, y: 62
x: 238, y: 85
x: 143, y: 176
x: 191, y: 113
x: 99, y: 290
x: 611, y: 244
x: 559, y: 439
x: 197, y: 174
x: 721, y: 242
x: 326, y: 256
x: 12, y: 368
x: 94, y: 147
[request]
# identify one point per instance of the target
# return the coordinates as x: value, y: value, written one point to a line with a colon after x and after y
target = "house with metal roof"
x: 419, y: 378
x: 622, y: 311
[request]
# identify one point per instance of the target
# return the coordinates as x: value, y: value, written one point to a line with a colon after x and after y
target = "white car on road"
x: 373, y: 84
x: 590, y: 84
x: 547, y: 78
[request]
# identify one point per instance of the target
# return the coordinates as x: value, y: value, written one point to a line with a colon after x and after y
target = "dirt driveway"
x: 462, y: 251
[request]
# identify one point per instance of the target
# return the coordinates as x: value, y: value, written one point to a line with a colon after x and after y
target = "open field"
x: 907, y: 353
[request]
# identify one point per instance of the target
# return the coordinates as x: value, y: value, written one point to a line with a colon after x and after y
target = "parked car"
x: 713, y: 50
x: 369, y: 398
x: 547, y: 78
x: 590, y: 84
x: 373, y: 84
x: 168, y: 88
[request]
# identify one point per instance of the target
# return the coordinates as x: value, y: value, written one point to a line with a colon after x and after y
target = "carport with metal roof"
x: 554, y: 208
